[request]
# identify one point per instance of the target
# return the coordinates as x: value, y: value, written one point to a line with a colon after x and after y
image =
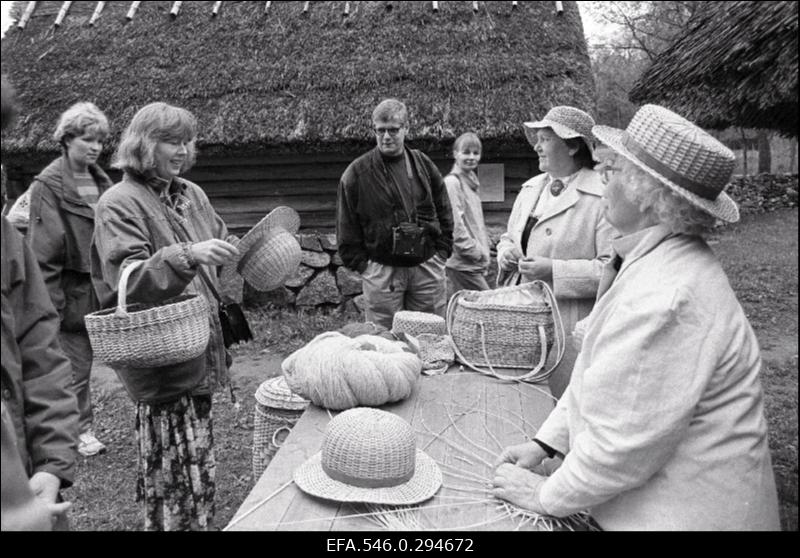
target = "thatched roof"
x: 301, y: 82
x: 736, y: 65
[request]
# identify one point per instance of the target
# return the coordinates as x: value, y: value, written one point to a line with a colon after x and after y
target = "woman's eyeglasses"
x: 607, y: 170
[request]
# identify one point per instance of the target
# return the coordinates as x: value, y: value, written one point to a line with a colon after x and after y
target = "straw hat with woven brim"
x: 370, y: 456
x: 269, y: 253
x: 566, y: 122
x: 679, y: 154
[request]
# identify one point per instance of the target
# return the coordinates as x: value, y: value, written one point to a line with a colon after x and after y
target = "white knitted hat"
x: 679, y: 154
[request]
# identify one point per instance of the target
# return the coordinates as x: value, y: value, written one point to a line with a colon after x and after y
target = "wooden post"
x: 435, y: 6
x: 475, y: 7
x: 266, y: 6
x: 744, y: 151
x: 215, y: 9
x: 62, y: 13
x: 514, y: 5
x: 97, y: 11
x: 176, y: 7
x: 559, y: 8
x: 132, y: 11
x: 346, y: 9
x: 23, y: 21
x: 305, y: 7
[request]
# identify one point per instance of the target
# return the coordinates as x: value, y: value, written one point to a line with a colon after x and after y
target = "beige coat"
x: 577, y: 237
x: 663, y: 422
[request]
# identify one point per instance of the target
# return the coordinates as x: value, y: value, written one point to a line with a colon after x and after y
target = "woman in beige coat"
x: 557, y: 232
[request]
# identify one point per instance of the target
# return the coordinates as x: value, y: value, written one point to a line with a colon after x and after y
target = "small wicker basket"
x: 149, y: 335
x: 277, y: 410
x: 416, y: 323
x: 509, y: 327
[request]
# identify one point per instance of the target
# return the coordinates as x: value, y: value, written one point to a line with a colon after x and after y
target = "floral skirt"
x: 176, y: 465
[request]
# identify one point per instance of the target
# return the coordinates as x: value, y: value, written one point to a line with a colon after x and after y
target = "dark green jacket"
x: 60, y: 233
x: 369, y: 205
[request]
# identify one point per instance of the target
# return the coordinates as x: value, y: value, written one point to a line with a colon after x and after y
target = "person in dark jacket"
x: 39, y: 412
x: 394, y: 224
x: 62, y: 202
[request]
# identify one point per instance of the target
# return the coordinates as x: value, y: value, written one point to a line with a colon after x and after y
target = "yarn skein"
x: 338, y: 372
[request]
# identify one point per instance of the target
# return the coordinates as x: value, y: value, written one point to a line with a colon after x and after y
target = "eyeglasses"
x: 607, y: 170
x: 391, y: 131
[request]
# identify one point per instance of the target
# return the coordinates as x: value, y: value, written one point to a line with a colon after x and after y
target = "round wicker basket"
x: 277, y: 410
x: 149, y: 335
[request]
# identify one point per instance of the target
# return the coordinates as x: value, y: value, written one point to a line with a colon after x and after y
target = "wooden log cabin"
x: 284, y: 91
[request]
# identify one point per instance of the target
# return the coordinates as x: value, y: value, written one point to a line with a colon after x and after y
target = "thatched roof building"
x: 736, y: 65
x: 295, y: 84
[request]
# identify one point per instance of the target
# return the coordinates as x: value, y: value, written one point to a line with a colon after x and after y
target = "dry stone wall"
x: 320, y: 280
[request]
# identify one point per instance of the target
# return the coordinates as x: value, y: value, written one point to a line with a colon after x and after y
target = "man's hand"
x: 213, y: 252
x: 536, y: 268
x: 519, y: 486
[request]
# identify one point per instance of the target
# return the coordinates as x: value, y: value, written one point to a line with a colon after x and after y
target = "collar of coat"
x: 59, y: 178
x: 587, y: 181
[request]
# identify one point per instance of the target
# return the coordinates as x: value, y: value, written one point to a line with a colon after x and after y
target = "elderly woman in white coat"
x: 557, y: 232
x: 663, y: 422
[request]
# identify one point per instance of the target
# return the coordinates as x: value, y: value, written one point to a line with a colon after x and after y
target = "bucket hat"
x: 679, y: 154
x: 269, y: 253
x: 566, y: 122
x: 370, y: 456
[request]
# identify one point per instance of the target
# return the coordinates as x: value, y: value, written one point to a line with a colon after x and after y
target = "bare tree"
x: 647, y: 27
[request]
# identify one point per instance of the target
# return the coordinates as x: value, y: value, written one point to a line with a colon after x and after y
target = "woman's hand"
x: 507, y: 259
x: 213, y: 252
x: 518, y: 486
x: 536, y: 268
x: 527, y: 455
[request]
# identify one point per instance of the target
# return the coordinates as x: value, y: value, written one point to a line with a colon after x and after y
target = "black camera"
x: 235, y: 328
x: 408, y: 239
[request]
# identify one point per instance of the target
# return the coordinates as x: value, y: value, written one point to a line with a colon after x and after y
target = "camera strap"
x: 407, y: 205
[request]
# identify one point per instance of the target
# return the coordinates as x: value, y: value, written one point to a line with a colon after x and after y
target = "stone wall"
x: 321, y: 279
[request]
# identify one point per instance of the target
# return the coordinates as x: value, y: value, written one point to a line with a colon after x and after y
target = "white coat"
x: 576, y: 236
x: 663, y: 421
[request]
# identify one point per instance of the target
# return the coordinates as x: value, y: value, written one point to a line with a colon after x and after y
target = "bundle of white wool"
x: 338, y: 372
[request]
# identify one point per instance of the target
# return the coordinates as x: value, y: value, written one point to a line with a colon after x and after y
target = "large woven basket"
x: 510, y: 327
x: 149, y: 335
x: 277, y: 410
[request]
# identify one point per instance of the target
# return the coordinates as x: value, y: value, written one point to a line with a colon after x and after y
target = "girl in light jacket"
x: 557, y: 232
x: 466, y: 267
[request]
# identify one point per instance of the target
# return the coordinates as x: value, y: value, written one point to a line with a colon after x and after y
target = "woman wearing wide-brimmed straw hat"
x: 662, y: 425
x: 166, y: 222
x: 557, y: 232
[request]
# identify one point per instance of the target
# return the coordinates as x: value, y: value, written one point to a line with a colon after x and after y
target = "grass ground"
x: 760, y: 255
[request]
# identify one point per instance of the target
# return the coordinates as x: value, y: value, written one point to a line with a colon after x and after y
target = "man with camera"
x: 393, y: 222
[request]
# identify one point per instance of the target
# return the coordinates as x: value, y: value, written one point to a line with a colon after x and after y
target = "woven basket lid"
x: 275, y: 393
x: 416, y: 323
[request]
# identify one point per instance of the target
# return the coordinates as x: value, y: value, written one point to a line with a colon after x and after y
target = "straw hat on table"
x: 680, y: 155
x: 370, y: 456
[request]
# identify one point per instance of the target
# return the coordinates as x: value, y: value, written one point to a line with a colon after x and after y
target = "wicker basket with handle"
x: 510, y: 327
x: 149, y: 335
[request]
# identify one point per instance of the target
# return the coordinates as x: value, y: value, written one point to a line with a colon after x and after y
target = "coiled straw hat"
x: 567, y: 123
x: 269, y: 253
x: 370, y: 456
x: 680, y: 155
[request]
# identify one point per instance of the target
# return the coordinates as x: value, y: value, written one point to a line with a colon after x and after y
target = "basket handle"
x: 532, y: 375
x: 122, y: 291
